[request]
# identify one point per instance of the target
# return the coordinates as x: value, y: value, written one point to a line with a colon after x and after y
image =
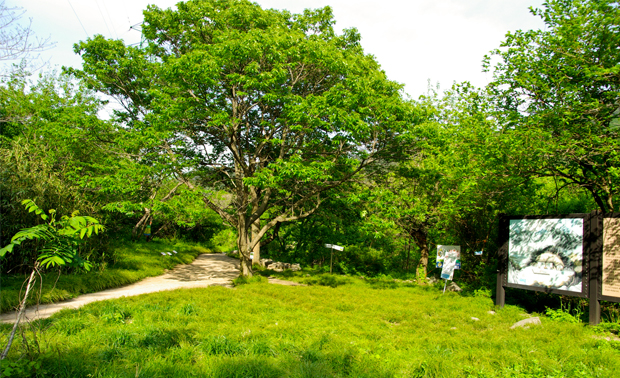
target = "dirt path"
x: 206, y: 270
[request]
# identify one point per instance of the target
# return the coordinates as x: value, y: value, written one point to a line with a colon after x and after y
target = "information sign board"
x: 546, y: 253
x: 449, y: 264
x: 611, y: 257
x: 441, y: 253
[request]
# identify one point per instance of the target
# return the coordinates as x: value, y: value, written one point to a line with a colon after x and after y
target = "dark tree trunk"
x: 420, y: 238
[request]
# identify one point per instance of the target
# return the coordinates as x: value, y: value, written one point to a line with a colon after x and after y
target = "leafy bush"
x: 608, y: 327
x: 563, y: 315
x: 20, y: 368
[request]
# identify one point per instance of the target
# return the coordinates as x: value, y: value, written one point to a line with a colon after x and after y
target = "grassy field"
x: 136, y: 261
x: 359, y: 328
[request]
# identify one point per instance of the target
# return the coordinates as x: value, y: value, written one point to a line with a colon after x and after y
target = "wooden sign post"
x: 575, y: 254
x: 331, y: 260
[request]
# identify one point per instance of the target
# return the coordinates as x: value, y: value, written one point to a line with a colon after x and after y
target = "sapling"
x: 60, y: 240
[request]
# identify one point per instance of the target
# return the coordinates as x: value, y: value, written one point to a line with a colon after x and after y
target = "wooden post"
x: 502, y: 260
x: 331, y: 261
x: 594, y: 249
x: 500, y: 292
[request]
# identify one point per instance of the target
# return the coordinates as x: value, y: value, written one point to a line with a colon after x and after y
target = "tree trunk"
x: 136, y: 233
x: 242, y: 246
x: 408, y: 254
x: 256, y: 250
x: 420, y: 238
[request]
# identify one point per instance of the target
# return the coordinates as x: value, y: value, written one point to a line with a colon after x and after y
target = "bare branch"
x: 18, y: 41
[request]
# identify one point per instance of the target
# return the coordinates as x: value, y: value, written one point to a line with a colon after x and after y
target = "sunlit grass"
x: 357, y: 329
x: 135, y: 261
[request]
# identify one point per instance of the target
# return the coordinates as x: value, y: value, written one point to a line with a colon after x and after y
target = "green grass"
x: 360, y: 328
x: 136, y: 261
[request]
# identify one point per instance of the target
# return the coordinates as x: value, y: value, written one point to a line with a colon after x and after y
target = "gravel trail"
x: 207, y: 270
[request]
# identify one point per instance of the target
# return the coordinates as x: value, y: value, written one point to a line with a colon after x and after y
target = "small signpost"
x: 331, y: 261
x: 448, y: 259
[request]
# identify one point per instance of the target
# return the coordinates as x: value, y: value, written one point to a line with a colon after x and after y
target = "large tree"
x: 274, y: 107
x: 558, y: 92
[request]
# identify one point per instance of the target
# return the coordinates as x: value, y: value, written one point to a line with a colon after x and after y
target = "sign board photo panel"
x: 441, y: 254
x: 546, y: 253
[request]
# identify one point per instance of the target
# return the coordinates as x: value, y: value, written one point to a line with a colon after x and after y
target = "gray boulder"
x: 525, y: 323
x: 266, y: 262
x: 453, y: 287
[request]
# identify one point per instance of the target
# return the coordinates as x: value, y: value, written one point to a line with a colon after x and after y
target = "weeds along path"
x: 207, y: 270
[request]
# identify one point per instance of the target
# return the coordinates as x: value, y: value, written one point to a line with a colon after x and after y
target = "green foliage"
x: 483, y: 292
x: 224, y: 241
x: 23, y: 368
x: 557, y: 94
x: 60, y: 238
x: 606, y: 327
x: 274, y: 107
x: 50, y: 149
x: 562, y: 315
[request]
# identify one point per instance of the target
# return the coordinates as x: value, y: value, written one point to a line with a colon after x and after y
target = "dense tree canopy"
x: 288, y: 132
x: 275, y: 107
x: 558, y: 92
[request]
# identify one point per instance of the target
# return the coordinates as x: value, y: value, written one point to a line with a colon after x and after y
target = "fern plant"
x: 60, y: 237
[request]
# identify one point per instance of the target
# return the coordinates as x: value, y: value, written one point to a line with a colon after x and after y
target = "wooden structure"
x: 597, y: 267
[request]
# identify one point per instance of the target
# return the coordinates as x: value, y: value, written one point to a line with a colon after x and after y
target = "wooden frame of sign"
x: 598, y: 266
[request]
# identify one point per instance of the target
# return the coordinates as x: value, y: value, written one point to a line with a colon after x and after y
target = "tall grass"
x: 355, y: 329
x: 135, y: 261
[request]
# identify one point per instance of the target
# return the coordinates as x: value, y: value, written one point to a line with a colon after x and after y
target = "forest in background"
x: 269, y: 131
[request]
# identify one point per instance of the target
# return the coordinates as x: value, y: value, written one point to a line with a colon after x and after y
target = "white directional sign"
x: 334, y: 246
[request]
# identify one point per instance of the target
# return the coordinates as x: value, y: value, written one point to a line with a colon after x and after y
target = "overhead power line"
x: 110, y: 18
x: 78, y: 17
x: 103, y: 18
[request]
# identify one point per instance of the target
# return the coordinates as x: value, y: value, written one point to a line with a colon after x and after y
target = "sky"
x: 415, y: 41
